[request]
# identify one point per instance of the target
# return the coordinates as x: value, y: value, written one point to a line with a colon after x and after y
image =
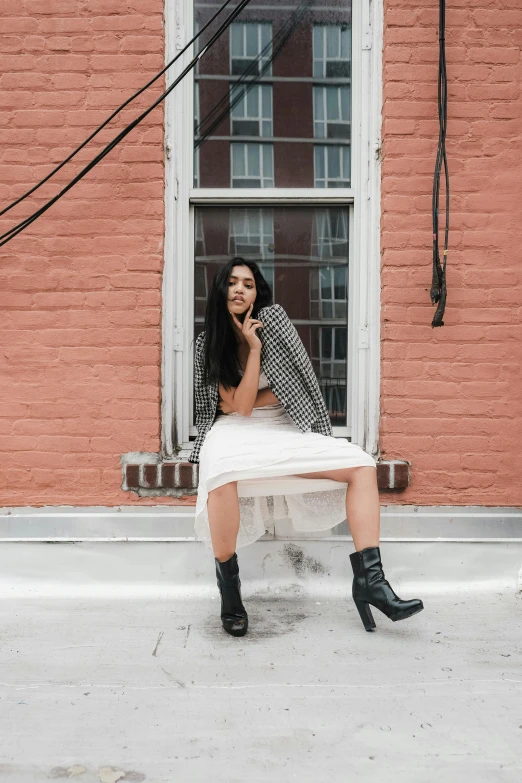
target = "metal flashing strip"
x: 175, y: 523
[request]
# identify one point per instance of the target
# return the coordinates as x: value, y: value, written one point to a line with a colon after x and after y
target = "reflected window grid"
x: 247, y: 42
x: 252, y: 165
x: 251, y: 113
x: 251, y: 235
x: 331, y: 166
x: 251, y: 232
x: 332, y: 363
x: 250, y: 48
x: 333, y: 292
x: 332, y: 351
x: 332, y: 112
x: 199, y: 235
x: 332, y: 46
x: 331, y: 234
x: 318, y: 282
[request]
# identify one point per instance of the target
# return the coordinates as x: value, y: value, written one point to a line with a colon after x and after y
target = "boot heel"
x: 365, y: 613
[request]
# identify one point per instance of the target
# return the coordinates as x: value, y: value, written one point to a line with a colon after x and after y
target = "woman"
x: 264, y: 435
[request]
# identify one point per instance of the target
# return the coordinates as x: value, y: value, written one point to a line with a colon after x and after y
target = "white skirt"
x: 263, y: 452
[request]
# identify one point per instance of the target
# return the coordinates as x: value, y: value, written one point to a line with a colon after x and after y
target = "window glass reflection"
x: 303, y: 252
x: 280, y: 74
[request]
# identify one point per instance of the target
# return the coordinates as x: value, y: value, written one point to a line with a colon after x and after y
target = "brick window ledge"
x: 148, y: 474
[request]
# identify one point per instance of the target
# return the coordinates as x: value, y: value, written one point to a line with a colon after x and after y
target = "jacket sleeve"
x: 289, y: 334
x: 200, y: 394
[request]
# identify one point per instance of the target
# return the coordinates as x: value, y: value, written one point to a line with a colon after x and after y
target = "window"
x: 332, y: 112
x: 332, y: 287
x: 332, y: 51
x: 331, y: 234
x: 252, y: 233
x: 252, y: 236
x: 278, y: 104
x: 252, y: 165
x: 303, y: 253
x: 332, y: 362
x: 251, y: 110
x: 331, y: 167
x: 250, y: 48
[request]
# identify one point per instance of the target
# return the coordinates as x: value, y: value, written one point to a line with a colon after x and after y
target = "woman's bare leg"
x: 362, y: 502
x: 223, y: 517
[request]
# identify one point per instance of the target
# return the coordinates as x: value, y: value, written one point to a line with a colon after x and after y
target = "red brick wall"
x: 451, y: 396
x: 80, y: 320
x: 80, y: 290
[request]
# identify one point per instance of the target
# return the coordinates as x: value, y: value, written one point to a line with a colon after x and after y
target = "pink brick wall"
x: 451, y: 396
x: 80, y: 290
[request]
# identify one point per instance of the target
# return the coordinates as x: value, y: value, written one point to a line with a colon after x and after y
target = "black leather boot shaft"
x: 233, y: 614
x: 370, y: 586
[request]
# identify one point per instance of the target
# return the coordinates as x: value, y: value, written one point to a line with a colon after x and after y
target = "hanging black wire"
x: 114, y: 114
x: 4, y: 238
x: 438, y: 282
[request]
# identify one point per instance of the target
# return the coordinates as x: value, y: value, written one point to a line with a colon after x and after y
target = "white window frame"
x: 363, y: 196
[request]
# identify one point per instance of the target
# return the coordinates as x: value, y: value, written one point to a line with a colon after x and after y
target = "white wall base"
x: 127, y: 552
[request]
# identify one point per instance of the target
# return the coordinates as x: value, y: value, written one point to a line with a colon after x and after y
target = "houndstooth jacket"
x: 289, y: 373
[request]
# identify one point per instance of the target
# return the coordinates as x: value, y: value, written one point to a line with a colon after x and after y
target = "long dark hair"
x: 221, y: 362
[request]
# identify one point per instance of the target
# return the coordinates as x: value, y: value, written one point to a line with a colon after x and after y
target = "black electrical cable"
x: 438, y: 282
x: 4, y: 238
x: 114, y: 114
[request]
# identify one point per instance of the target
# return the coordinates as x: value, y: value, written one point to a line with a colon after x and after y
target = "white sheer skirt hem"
x: 263, y: 457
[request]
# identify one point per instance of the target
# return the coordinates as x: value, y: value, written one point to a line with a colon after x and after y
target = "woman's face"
x: 242, y: 290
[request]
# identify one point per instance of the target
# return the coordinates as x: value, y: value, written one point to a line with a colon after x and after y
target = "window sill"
x: 173, y: 477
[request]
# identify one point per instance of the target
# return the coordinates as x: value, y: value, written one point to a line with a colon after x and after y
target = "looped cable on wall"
x: 438, y: 282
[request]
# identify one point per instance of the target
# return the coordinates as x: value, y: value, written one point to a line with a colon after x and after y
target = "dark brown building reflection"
x: 273, y: 110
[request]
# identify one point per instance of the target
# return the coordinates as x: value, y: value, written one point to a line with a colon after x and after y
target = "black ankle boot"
x: 371, y: 587
x: 233, y: 613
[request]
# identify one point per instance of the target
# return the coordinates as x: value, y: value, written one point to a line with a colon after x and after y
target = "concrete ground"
x: 150, y: 687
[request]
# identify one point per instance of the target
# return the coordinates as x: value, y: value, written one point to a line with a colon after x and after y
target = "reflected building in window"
x: 273, y: 110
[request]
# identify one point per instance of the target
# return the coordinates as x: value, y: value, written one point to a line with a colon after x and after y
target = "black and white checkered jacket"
x: 289, y: 373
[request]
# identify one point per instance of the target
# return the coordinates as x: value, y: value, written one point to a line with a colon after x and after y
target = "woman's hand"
x: 224, y: 407
x: 248, y: 327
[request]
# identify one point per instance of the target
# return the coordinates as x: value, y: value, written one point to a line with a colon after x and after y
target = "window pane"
x: 303, y: 255
x: 252, y: 103
x: 253, y: 156
x: 332, y: 42
x: 319, y: 167
x: 346, y: 44
x: 268, y: 164
x: 295, y: 106
x: 238, y: 160
x: 332, y: 103
x: 252, y: 40
x: 345, y: 103
x: 334, y: 162
x: 267, y: 101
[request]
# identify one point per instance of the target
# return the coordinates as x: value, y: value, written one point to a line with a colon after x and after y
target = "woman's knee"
x: 230, y: 488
